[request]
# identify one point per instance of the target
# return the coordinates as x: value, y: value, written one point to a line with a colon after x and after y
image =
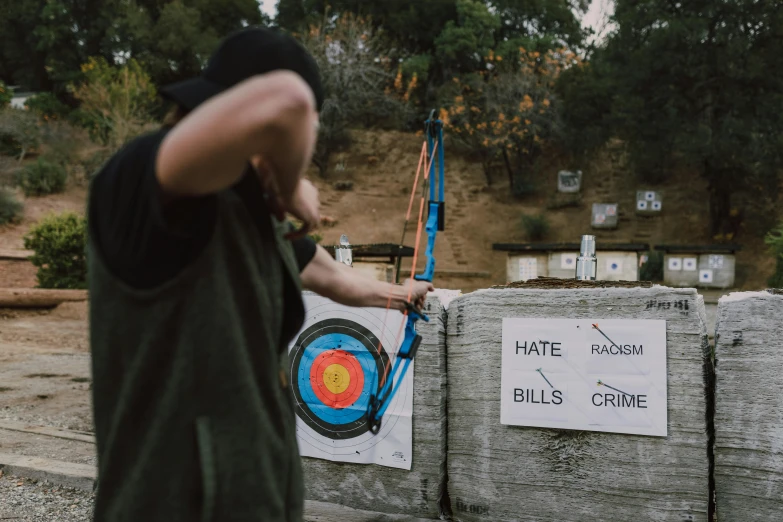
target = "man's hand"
x: 418, y: 291
x: 305, y: 206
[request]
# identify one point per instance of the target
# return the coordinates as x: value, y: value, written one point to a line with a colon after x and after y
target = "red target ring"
x: 337, y: 378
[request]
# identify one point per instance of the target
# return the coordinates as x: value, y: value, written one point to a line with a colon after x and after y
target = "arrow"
x: 615, y: 389
x: 544, y: 376
x: 602, y: 333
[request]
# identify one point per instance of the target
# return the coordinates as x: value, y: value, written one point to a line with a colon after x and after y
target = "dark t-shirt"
x: 146, y: 243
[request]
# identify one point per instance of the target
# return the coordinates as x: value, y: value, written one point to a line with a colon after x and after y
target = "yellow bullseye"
x: 336, y: 378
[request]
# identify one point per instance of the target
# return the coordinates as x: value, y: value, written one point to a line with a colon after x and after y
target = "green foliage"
x: 689, y: 85
x: 41, y: 178
x: 463, y: 43
x: 43, y: 43
x: 61, y: 143
x: 5, y: 95
x: 347, y: 51
x: 59, y: 245
x: 20, y: 133
x: 116, y: 102
x: 536, y: 227
x: 47, y: 107
x: 95, y: 161
x: 508, y: 113
x: 652, y: 270
x: 775, y: 242
x: 555, y: 21
x: 418, y: 66
x: 10, y: 207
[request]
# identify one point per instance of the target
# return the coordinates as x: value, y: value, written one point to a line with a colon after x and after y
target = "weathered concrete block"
x: 504, y: 473
x: 748, y: 411
x: 397, y: 491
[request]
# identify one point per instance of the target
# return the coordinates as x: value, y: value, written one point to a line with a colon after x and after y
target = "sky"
x: 595, y: 17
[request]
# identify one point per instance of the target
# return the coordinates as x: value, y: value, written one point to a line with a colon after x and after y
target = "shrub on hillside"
x: 47, y: 107
x: 116, y: 102
x: 41, y: 178
x: 536, y: 227
x: 59, y: 244
x: 5, y: 95
x: 62, y: 143
x: 10, y: 207
x: 20, y: 133
x: 775, y: 241
x: 652, y: 270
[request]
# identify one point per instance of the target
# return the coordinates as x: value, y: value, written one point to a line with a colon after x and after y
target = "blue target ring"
x: 347, y: 336
x: 355, y: 348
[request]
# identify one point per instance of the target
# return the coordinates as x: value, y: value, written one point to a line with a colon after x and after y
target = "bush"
x: 47, y: 107
x: 59, y: 243
x: 775, y: 241
x: 116, y: 102
x: 10, y: 207
x: 62, y: 143
x: 652, y: 270
x: 20, y: 132
x: 41, y: 178
x: 536, y: 227
x: 5, y: 95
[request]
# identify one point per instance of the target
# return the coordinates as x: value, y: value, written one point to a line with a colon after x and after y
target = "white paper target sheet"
x: 339, y: 359
x: 582, y: 374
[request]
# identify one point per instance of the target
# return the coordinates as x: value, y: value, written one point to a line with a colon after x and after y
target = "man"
x: 195, y: 293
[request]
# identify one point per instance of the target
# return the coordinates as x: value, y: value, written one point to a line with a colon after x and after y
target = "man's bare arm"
x: 270, y: 115
x: 342, y: 284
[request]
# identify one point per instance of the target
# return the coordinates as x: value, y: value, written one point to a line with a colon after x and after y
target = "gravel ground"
x: 25, y: 500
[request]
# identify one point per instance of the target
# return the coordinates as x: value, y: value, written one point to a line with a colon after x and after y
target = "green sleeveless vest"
x: 194, y: 419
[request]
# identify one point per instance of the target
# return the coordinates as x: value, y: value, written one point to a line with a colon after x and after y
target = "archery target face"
x: 641, y: 205
x: 337, y: 362
x: 675, y: 263
x: 614, y: 266
x: 690, y: 264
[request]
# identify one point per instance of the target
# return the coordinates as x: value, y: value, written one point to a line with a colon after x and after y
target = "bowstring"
x: 425, y: 185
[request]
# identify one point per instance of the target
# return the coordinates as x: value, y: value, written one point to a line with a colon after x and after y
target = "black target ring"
x: 360, y: 337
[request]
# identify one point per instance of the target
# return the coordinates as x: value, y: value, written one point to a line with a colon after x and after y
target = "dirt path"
x: 45, y: 367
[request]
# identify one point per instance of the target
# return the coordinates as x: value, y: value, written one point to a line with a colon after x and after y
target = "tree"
x: 43, y: 43
x: 463, y: 43
x: 552, y: 21
x: 116, y: 102
x: 509, y: 112
x: 354, y: 71
x: 698, y: 84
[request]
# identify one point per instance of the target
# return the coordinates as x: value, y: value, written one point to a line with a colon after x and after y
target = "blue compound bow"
x: 435, y: 220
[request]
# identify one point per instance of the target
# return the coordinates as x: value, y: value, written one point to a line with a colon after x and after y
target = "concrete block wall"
x: 416, y: 492
x: 748, y: 409
x: 510, y: 473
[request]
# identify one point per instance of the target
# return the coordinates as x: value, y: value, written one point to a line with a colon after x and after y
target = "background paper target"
x: 335, y: 367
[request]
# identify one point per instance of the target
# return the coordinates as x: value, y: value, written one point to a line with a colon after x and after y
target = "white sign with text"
x: 580, y: 374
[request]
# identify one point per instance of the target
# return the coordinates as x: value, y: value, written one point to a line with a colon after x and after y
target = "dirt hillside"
x: 382, y: 165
